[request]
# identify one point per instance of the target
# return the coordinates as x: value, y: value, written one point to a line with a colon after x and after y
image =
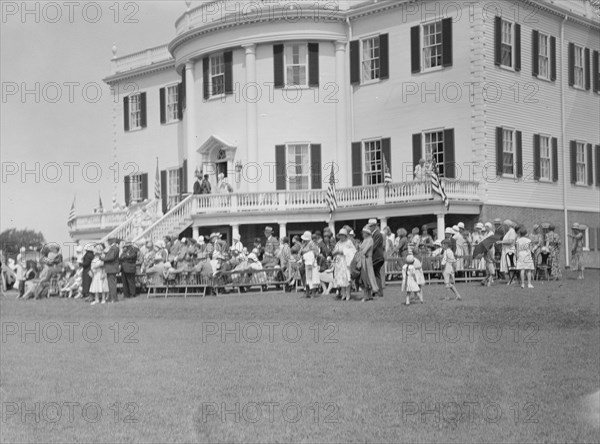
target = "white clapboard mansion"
x: 503, y: 95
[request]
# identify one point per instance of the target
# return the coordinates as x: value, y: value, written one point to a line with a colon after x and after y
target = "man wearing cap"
x: 111, y: 267
x: 128, y: 259
x: 271, y: 247
x: 378, y: 255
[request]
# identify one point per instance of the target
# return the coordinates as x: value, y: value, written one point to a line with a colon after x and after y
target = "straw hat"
x: 343, y: 232
x: 461, y: 225
x: 306, y: 236
x: 479, y: 226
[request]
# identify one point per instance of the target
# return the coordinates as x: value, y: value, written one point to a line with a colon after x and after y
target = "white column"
x: 195, y: 232
x: 251, y: 111
x: 282, y: 230
x: 235, y: 229
x: 383, y: 222
x: 341, y: 121
x: 441, y: 226
x: 331, y: 225
x: 190, y: 122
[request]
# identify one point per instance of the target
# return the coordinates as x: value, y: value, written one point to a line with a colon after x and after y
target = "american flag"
x: 71, y: 218
x: 387, y: 176
x: 438, y: 186
x: 157, y: 182
x: 331, y: 194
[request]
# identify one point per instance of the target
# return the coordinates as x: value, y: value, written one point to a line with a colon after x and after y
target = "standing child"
x: 409, y: 279
x: 448, y: 261
x: 577, y: 250
x: 524, y: 258
x: 99, y: 284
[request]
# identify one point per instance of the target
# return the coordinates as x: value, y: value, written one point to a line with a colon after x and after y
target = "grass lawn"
x: 504, y: 365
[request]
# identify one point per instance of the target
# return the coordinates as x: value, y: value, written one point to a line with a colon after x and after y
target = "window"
x: 508, y: 152
x: 432, y: 45
x: 298, y: 167
x: 135, y: 111
x: 217, y: 75
x: 579, y: 67
x: 135, y: 188
x: 373, y: 163
x: 580, y: 166
x: 172, y: 101
x: 545, y: 158
x: 506, y: 57
x: 543, y: 56
x: 370, y: 59
x: 434, y: 149
x: 296, y: 64
x: 173, y: 186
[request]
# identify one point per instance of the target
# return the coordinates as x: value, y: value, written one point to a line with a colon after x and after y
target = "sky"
x: 56, y: 112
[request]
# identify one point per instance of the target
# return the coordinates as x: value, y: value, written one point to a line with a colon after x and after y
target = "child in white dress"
x: 99, y: 284
x: 448, y: 261
x: 409, y: 279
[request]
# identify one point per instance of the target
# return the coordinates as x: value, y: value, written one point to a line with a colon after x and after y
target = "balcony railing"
x: 100, y: 221
x: 228, y: 11
x: 371, y: 195
x: 139, y: 59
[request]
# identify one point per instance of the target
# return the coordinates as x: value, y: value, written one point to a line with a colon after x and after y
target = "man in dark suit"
x: 128, y: 259
x: 111, y: 266
x: 86, y: 278
x: 378, y: 254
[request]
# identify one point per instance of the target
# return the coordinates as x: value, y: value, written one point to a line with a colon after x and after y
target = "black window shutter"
x: 552, y: 58
x: 354, y: 62
x: 313, y: 64
x: 590, y: 165
x: 163, y: 191
x: 595, y: 75
x: 386, y: 151
x: 536, y: 157
x: 161, y: 94
x: 499, y: 151
x: 535, y: 51
x: 517, y: 47
x: 415, y: 49
x: 417, y: 152
x: 180, y: 100
x: 592, y: 244
x: 205, y: 77
x: 144, y: 186
x: 127, y: 182
x: 571, y: 64
x: 228, y: 60
x: 126, y: 113
x: 449, y: 156
x: 447, y: 42
x: 587, y: 68
x: 573, y: 162
x: 182, y: 97
x: 143, y: 118
x: 598, y: 165
x: 498, y: 41
x: 280, y: 167
x: 184, y: 178
x: 356, y: 164
x: 315, y: 162
x: 519, y: 152
x: 384, y: 56
x: 554, y: 159
x: 278, y: 77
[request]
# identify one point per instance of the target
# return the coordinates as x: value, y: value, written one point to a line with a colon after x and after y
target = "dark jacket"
x: 378, y: 247
x: 111, y: 260
x: 86, y: 279
x: 128, y: 258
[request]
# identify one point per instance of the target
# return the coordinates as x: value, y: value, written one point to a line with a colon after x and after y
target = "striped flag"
x: 331, y: 194
x: 157, y: 182
x: 71, y: 218
x: 438, y: 186
x: 115, y: 204
x: 387, y: 175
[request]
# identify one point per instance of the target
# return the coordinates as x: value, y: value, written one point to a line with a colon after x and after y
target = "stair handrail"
x: 144, y: 234
x: 129, y: 220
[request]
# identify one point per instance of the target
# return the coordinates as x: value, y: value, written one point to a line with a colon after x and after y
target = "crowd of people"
x: 320, y: 261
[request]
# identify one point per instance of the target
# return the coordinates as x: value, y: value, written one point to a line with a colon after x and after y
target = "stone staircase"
x: 171, y: 224
x: 128, y: 229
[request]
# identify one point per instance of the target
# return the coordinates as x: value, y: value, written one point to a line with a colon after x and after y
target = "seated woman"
x: 256, y: 278
x: 156, y: 273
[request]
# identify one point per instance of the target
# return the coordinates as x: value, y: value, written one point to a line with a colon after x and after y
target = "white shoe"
x: 94, y: 302
x: 103, y: 301
x: 530, y: 286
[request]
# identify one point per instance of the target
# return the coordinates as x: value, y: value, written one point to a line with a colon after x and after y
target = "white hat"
x: 366, y: 229
x: 461, y: 225
x: 372, y: 221
x: 236, y: 237
x: 252, y: 257
x: 410, y: 259
x: 79, y: 249
x: 201, y: 239
x: 90, y: 247
x: 455, y: 228
x: 489, y: 225
x: 343, y: 232
x: 183, y: 240
x: 351, y: 233
x: 479, y: 226
x: 307, y: 235
x: 449, y: 231
x: 22, y: 249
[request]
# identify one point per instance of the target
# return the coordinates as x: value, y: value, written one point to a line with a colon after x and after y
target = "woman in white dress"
x: 99, y: 284
x: 508, y: 245
x: 343, y: 253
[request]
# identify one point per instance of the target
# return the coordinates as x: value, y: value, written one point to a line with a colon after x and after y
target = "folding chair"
x: 512, y: 266
x: 543, y: 267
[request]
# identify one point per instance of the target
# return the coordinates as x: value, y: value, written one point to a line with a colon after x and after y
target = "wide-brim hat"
x: 372, y: 221
x: 449, y: 231
x: 415, y: 230
x: 461, y: 225
x: 343, y: 232
x: 306, y: 236
x: 252, y: 257
x: 366, y: 229
x: 89, y: 247
x: 269, y: 229
x: 509, y: 223
x: 575, y: 226
x: 489, y: 225
x: 479, y: 226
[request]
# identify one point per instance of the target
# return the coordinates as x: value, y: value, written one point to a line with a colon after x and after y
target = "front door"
x: 221, y: 168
